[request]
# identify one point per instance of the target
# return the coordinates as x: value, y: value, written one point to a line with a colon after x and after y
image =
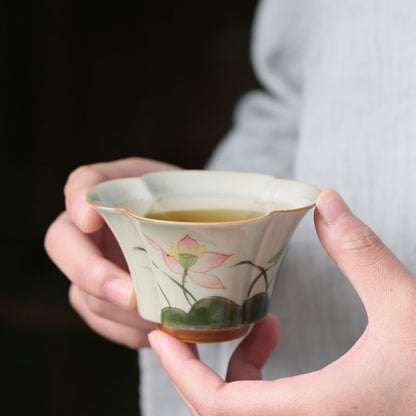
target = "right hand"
x: 375, y: 377
x: 85, y: 250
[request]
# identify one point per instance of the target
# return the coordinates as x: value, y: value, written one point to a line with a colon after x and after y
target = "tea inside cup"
x: 203, y: 247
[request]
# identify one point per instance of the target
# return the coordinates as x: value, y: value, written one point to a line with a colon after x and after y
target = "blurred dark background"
x: 84, y: 82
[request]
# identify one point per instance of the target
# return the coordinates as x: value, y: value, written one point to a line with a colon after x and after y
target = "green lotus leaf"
x: 277, y: 256
x: 215, y: 312
x: 211, y: 312
x: 173, y: 317
x: 256, y: 307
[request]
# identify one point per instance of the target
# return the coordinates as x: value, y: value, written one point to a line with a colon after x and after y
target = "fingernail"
x: 332, y: 207
x: 153, y: 342
x: 83, y: 217
x: 120, y: 292
x: 78, y: 207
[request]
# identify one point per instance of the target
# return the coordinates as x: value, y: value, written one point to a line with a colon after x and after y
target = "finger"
x: 181, y: 362
x: 115, y: 313
x: 126, y: 335
x: 85, y: 177
x: 85, y: 265
x: 251, y: 355
x: 205, y: 393
x: 374, y: 271
x: 188, y: 404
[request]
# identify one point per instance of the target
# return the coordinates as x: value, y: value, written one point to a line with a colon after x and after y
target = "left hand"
x: 377, y: 376
x: 86, y: 252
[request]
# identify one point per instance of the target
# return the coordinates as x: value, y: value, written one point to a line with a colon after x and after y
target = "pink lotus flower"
x: 188, y: 258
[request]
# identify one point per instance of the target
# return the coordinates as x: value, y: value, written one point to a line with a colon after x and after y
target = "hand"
x: 375, y: 377
x: 87, y: 253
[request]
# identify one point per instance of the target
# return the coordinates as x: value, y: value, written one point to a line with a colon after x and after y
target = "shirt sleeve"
x: 264, y: 134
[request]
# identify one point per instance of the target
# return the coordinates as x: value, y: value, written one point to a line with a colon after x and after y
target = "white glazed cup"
x: 203, y: 281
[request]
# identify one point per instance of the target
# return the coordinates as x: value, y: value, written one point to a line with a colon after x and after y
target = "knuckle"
x: 136, y: 339
x: 92, y: 274
x: 97, y: 306
x: 48, y: 241
x: 85, y: 306
x: 52, y: 234
x: 74, y: 299
x: 85, y: 171
x: 79, y: 171
x: 361, y: 242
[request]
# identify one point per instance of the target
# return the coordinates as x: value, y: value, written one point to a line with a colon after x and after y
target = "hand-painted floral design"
x: 188, y: 258
x: 273, y: 261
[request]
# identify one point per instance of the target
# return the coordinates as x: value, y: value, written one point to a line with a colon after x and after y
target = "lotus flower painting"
x: 200, y: 278
x: 188, y: 260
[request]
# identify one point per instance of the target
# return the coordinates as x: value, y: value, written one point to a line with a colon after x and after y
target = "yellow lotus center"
x: 186, y: 257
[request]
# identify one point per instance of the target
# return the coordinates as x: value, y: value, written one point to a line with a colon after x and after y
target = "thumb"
x: 377, y: 275
x: 254, y: 350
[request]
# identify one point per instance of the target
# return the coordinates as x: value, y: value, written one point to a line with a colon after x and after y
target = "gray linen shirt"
x: 338, y: 110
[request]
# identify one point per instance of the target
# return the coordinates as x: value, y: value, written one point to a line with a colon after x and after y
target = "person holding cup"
x: 338, y: 111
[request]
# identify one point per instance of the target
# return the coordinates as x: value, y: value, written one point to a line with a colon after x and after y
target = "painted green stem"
x: 164, y: 295
x: 185, y: 291
x: 185, y: 274
x: 253, y: 283
x: 271, y: 280
x: 262, y: 273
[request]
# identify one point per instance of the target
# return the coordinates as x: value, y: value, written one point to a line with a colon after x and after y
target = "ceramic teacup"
x: 203, y: 247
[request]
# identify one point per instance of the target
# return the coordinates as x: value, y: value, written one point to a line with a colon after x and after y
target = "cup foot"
x: 205, y: 335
